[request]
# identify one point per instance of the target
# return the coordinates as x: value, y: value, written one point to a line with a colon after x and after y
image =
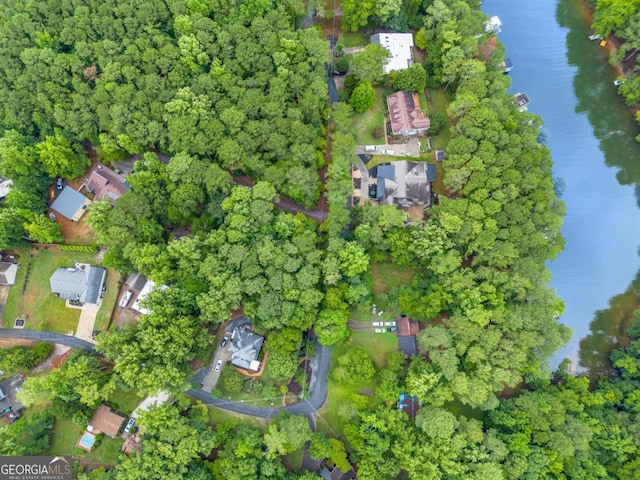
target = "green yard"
x: 108, y: 301
x: 364, y: 123
x: 43, y: 309
x: 437, y: 102
x: 217, y: 415
x: 334, y: 416
x: 65, y: 436
x: 125, y: 401
x: 351, y: 40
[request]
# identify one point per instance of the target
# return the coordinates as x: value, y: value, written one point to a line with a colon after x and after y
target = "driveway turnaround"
x: 317, y: 387
x: 317, y: 396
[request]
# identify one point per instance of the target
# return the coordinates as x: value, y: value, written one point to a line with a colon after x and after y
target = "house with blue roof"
x: 71, y: 204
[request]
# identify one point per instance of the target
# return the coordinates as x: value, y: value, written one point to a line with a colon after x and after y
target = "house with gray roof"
x: 403, y: 183
x: 82, y: 283
x: 245, y: 348
x: 71, y: 204
x: 9, y: 404
x: 8, y: 273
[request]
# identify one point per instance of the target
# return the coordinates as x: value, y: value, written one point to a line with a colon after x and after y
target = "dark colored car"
x: 392, y: 329
x: 224, y: 342
x: 59, y: 183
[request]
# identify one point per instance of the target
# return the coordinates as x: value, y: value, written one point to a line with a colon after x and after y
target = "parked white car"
x: 377, y: 324
x: 380, y: 313
x: 387, y: 152
x: 218, y: 365
x: 380, y: 330
x: 389, y: 324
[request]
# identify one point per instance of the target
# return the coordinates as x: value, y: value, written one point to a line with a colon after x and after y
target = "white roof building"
x: 400, y: 47
x: 493, y: 25
x: 5, y: 187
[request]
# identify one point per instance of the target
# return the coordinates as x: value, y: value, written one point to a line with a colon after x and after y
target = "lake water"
x: 591, y: 137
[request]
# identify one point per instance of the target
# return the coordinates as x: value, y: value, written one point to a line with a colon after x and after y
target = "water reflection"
x: 612, y: 123
x: 608, y: 330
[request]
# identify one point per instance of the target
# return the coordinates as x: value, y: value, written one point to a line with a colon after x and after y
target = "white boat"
x: 595, y: 37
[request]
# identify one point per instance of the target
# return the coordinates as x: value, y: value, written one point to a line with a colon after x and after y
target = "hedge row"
x: 79, y: 248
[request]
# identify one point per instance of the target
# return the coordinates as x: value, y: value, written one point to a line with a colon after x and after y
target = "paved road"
x: 316, y: 400
x: 52, y: 337
x: 318, y: 387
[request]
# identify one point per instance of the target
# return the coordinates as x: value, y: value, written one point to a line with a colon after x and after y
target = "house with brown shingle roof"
x: 106, y: 421
x: 105, y: 183
x: 405, y: 114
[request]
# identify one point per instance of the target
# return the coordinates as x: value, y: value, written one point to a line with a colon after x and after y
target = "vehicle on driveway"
x: 392, y: 329
x: 389, y: 324
x: 59, y: 183
x: 218, y: 365
x: 130, y: 424
x: 52, y: 216
x: 379, y: 330
x: 224, y: 342
x: 380, y: 313
x: 377, y: 324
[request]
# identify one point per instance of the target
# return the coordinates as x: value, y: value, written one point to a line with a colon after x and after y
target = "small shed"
x: 71, y: 204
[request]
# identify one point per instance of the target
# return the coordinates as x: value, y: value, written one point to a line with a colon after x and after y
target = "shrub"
x: 438, y: 121
x: 378, y: 131
x: 79, y: 248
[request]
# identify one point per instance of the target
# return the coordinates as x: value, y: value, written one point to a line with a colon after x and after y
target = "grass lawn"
x: 217, y: 415
x: 125, y: 401
x: 66, y: 434
x: 108, y: 301
x: 438, y: 103
x: 378, y: 346
x: 350, y: 40
x: 293, y: 460
x: 385, y: 278
x: 261, y: 400
x: 45, y: 311
x: 363, y: 123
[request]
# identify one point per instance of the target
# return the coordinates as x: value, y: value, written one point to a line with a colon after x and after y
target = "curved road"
x: 310, y: 406
x: 52, y: 337
x: 315, y: 401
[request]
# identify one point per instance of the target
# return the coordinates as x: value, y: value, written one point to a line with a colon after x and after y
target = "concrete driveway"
x: 211, y: 380
x: 87, y: 321
x: 4, y: 293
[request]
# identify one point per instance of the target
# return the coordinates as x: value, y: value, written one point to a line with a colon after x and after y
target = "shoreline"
x: 613, y: 42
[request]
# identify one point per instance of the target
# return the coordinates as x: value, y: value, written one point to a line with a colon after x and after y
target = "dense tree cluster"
x: 226, y: 83
x: 21, y: 359
x: 622, y: 19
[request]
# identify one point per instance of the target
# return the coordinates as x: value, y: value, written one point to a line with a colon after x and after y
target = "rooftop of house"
x: 408, y: 404
x: 245, y: 348
x: 5, y: 187
x: 8, y: 389
x: 105, y: 183
x: 407, y: 326
x: 404, y: 183
x: 8, y: 273
x: 69, y: 202
x: 399, y: 46
x: 106, y: 421
x: 82, y: 283
x: 407, y: 118
x: 148, y: 287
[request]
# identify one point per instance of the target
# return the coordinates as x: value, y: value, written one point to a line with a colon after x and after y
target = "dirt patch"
x: 8, y: 343
x: 58, y: 356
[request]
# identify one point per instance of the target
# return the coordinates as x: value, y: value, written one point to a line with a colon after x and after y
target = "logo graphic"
x: 35, y: 468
